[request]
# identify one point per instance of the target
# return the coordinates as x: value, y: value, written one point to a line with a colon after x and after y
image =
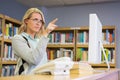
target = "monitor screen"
x: 95, y: 37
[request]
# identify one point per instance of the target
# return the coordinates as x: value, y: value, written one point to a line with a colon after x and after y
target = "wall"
x: 12, y: 8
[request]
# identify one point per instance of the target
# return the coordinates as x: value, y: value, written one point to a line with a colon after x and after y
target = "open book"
x: 58, y: 66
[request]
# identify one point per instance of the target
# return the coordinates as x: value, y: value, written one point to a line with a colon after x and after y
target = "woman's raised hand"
x: 51, y: 26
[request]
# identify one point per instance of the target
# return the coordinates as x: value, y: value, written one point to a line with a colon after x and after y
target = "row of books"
x: 56, y: 53
x: 10, y: 30
x: 82, y: 55
x: 110, y: 54
x: 8, y: 70
x: 83, y: 37
x: 108, y: 37
x: 58, y: 37
x: 8, y: 54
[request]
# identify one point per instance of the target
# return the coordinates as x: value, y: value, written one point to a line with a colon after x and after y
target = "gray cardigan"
x: 34, y: 56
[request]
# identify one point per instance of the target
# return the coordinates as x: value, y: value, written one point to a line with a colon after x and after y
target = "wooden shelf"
x: 109, y: 45
x: 87, y: 28
x: 104, y: 45
x: 108, y: 27
x: 12, y: 20
x: 82, y: 45
x: 82, y: 28
x: 9, y: 62
x: 7, y: 40
x: 103, y: 65
x: 64, y: 29
x: 60, y: 45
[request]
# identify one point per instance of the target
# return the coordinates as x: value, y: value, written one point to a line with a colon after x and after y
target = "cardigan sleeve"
x: 30, y: 55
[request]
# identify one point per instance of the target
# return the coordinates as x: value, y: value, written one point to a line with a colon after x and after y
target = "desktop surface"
x: 113, y: 74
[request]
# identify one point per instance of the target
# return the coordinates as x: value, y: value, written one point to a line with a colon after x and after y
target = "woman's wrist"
x: 46, y: 33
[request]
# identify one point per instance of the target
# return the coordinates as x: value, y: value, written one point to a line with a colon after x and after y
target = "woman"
x: 30, y: 44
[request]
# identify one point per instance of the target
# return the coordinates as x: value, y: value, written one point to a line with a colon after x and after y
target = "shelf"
x: 12, y: 20
x: 87, y: 28
x: 108, y: 27
x: 82, y: 45
x: 9, y: 62
x: 82, y: 28
x: 104, y: 45
x: 103, y: 65
x: 64, y: 29
x: 109, y: 45
x: 7, y: 40
x: 61, y: 45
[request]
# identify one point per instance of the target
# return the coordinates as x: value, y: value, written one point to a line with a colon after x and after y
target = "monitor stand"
x: 106, y: 60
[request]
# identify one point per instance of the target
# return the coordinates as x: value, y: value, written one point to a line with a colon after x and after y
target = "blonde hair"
x: 27, y: 15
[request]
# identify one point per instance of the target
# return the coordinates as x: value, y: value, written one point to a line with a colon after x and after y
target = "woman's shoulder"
x: 17, y: 37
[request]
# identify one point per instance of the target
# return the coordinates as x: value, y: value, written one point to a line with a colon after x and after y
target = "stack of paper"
x: 82, y: 68
x: 85, y: 68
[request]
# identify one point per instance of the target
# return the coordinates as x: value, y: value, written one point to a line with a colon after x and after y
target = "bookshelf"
x: 80, y: 43
x: 82, y: 40
x: 8, y: 28
x: 109, y: 44
x: 61, y: 43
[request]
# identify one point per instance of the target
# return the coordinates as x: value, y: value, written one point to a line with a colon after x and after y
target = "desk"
x: 109, y: 75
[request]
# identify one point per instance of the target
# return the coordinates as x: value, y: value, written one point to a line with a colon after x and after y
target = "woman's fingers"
x: 54, y: 21
x: 51, y: 26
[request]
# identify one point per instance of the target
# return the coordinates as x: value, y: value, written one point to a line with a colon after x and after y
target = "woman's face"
x: 34, y: 23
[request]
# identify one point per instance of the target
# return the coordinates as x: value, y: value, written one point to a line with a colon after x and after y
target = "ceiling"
x: 53, y: 3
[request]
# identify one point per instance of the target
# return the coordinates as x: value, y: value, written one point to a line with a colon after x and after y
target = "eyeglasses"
x: 37, y: 21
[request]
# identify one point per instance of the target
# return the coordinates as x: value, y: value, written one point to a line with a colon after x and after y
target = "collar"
x: 29, y: 36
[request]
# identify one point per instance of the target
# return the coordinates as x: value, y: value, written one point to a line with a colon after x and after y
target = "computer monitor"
x: 95, y: 41
x: 95, y: 37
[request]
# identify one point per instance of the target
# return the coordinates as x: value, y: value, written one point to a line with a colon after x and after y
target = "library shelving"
x: 78, y: 43
x: 8, y: 28
x: 61, y: 43
x: 109, y: 44
x: 82, y: 39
